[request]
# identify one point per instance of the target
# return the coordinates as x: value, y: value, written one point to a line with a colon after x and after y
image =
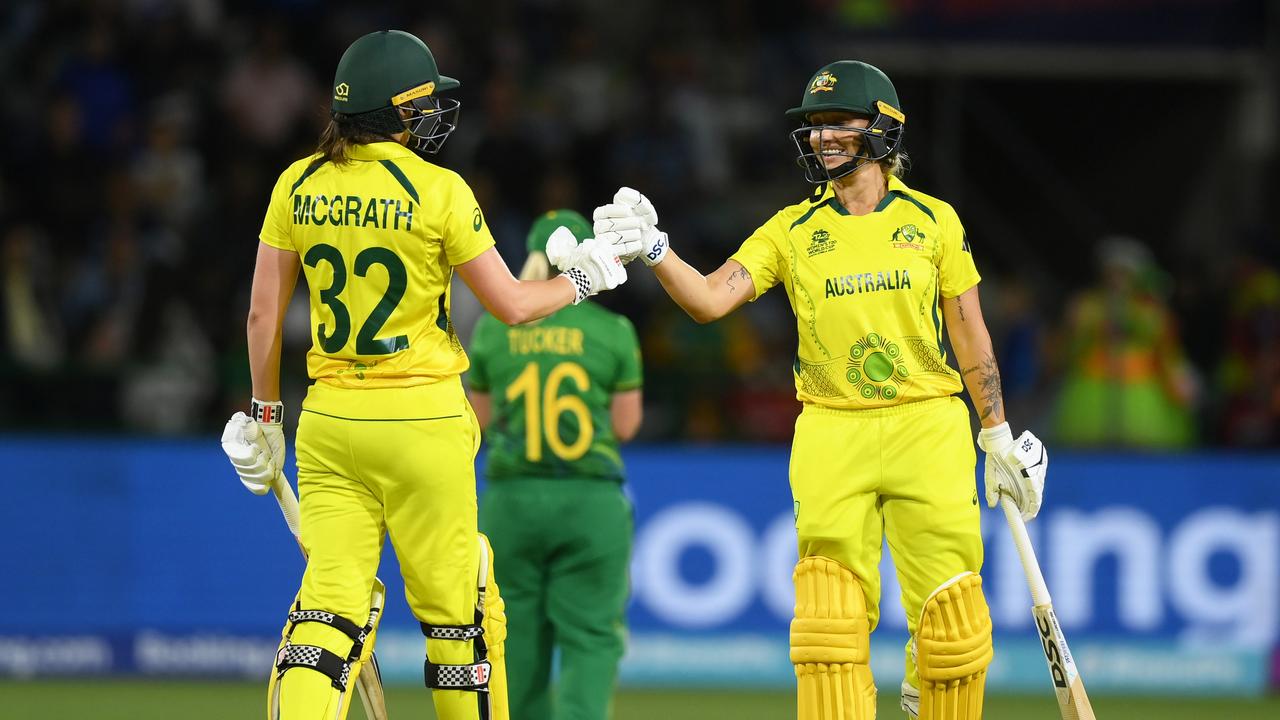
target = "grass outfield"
x: 131, y: 700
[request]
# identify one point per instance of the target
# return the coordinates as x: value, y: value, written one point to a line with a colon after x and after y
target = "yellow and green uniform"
x: 386, y: 439
x: 554, y: 508
x: 883, y: 446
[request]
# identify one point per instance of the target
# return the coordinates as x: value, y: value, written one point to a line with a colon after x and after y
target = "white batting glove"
x: 629, y: 226
x: 563, y: 250
x: 1016, y: 468
x: 591, y: 266
x: 252, y: 462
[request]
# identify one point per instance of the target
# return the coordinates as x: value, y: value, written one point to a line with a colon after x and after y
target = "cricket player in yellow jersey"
x: 874, y: 270
x: 386, y: 440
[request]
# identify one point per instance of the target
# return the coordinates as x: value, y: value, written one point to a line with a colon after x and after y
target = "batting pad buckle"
x: 473, y: 677
x: 317, y: 658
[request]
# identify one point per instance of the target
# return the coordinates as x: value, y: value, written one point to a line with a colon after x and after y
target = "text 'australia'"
x: 868, y: 282
x: 352, y: 210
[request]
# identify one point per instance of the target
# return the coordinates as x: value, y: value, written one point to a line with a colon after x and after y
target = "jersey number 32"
x: 367, y: 342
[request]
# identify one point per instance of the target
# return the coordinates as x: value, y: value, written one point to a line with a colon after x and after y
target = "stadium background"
x: 139, y: 142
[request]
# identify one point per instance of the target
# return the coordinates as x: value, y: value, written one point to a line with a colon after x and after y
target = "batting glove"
x: 629, y: 226
x: 591, y: 265
x: 252, y: 462
x: 1016, y: 468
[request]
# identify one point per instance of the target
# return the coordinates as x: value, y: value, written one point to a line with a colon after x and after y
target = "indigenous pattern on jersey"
x: 550, y: 385
x: 378, y: 237
x: 866, y: 291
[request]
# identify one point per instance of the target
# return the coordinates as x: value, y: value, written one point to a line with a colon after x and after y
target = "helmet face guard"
x: 880, y: 140
x: 430, y: 120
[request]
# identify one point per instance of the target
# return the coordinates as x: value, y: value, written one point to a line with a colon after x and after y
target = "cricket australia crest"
x: 908, y: 237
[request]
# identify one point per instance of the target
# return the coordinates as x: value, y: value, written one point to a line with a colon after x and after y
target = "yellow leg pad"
x: 830, y: 644
x: 467, y: 704
x: 495, y: 637
x: 953, y: 650
x: 304, y: 694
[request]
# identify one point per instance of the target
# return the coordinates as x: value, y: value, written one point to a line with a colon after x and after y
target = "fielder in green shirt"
x: 556, y: 397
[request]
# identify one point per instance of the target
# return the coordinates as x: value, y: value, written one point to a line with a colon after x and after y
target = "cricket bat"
x: 1073, y: 704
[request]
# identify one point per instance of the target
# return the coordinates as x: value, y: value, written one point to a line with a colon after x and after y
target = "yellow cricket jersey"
x: 866, y: 292
x: 378, y: 238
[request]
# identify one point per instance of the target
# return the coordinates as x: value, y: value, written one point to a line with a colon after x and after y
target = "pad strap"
x: 337, y: 622
x: 357, y: 634
x: 316, y: 658
x: 473, y: 676
x: 451, y: 632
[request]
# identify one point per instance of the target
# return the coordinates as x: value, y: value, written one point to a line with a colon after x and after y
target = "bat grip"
x: 283, y: 491
x: 1026, y: 553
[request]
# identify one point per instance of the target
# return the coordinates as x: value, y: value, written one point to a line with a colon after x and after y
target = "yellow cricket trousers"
x: 398, y: 461
x: 905, y: 472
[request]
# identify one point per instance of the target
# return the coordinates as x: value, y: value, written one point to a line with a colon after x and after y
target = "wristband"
x: 266, y: 413
x: 581, y: 283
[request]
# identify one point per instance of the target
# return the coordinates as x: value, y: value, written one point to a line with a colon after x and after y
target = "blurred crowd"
x: 141, y: 139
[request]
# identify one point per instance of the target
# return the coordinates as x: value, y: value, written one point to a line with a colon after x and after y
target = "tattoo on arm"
x: 739, y: 274
x: 960, y: 308
x: 989, y: 382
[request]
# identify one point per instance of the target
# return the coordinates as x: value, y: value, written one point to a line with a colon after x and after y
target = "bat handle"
x: 288, y: 503
x: 1027, y: 554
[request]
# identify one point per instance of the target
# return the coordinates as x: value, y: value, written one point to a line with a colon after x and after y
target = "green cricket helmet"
x: 387, y: 82
x: 548, y: 222
x: 853, y: 87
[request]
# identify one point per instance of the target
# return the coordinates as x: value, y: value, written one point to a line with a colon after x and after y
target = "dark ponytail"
x: 344, y: 131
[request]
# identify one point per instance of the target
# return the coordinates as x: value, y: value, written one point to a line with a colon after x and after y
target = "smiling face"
x: 833, y: 143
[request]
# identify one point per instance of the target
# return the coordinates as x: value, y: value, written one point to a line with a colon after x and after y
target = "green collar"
x: 897, y: 189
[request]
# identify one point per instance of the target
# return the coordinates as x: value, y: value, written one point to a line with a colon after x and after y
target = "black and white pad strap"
x: 451, y: 632
x: 473, y: 676
x: 317, y: 658
x: 333, y: 620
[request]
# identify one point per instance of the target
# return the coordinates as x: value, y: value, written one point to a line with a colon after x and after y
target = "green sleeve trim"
x: 628, y: 386
x: 314, y: 166
x: 401, y: 178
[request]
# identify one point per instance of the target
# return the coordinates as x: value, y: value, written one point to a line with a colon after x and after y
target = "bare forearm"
x: 977, y: 358
x: 704, y: 298
x: 274, y: 276
x: 982, y: 378
x: 510, y: 300
x: 264, y: 356
x: 534, y: 299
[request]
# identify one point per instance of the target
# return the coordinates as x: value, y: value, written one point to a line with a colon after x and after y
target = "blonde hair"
x: 537, y: 267
x: 897, y: 166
